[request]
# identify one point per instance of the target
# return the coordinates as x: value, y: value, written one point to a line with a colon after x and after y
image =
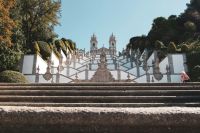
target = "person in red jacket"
x: 184, y: 77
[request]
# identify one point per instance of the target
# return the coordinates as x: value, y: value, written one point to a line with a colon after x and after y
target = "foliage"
x: 37, y: 19
x: 9, y: 58
x: 36, y: 48
x: 192, y: 62
x: 190, y: 26
x: 12, y: 77
x: 196, y: 73
x: 45, y: 49
x: 159, y: 45
x: 171, y: 47
x: 7, y: 24
x: 185, y: 48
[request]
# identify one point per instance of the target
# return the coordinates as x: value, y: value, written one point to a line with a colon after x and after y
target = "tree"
x: 190, y: 26
x: 9, y: 58
x: 38, y: 18
x: 6, y: 23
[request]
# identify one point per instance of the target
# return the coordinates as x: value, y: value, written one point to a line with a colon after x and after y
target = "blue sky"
x: 125, y: 18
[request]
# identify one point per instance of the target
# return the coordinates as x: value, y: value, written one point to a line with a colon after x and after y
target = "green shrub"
x: 36, y: 48
x: 171, y: 47
x: 184, y: 48
x: 9, y: 58
x: 12, y: 77
x: 45, y: 49
x: 159, y: 45
x: 196, y: 73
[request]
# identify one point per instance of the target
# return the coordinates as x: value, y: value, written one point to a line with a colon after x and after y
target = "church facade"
x: 104, y: 65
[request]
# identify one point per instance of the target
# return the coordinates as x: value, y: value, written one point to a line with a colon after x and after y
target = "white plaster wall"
x: 123, y: 60
x: 176, y: 78
x: 133, y: 71
x: 54, y: 59
x: 94, y: 66
x: 30, y: 78
x: 111, y: 66
x: 151, y: 58
x: 114, y: 74
x: 91, y: 74
x: 83, y: 68
x: 163, y: 80
x: 64, y: 79
x: 141, y: 79
x: 163, y: 65
x: 150, y: 70
x: 27, y: 67
x: 129, y: 65
x: 72, y: 71
x: 63, y: 55
x: 80, y: 75
x: 42, y: 65
x: 142, y: 72
x: 42, y: 80
x: 124, y: 75
x: 123, y: 68
x: 178, y: 63
x: 110, y: 61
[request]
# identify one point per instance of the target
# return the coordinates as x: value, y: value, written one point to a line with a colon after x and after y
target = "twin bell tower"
x: 112, y: 45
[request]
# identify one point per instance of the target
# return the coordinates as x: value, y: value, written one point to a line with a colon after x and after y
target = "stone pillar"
x: 138, y: 68
x: 90, y: 65
x: 118, y: 73
x: 127, y: 58
x: 58, y: 75
x: 86, y: 73
x: 115, y: 62
x: 37, y: 75
x: 168, y: 74
x: 171, y: 66
x: 185, y: 61
x: 68, y: 68
x: 148, y: 77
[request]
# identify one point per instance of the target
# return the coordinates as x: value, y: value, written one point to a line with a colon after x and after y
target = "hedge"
x: 9, y: 76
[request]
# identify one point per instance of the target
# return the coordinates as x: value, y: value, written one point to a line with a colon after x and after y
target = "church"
x: 104, y: 65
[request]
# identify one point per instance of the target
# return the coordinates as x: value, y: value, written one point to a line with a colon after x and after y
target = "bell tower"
x: 112, y: 45
x: 93, y: 44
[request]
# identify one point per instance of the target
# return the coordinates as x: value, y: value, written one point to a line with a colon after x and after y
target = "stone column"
x: 58, y: 75
x: 118, y: 73
x: 171, y: 65
x: 37, y: 75
x: 168, y: 74
x: 148, y: 77
x: 86, y: 73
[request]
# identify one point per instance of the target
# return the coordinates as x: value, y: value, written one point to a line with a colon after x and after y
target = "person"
x: 184, y: 77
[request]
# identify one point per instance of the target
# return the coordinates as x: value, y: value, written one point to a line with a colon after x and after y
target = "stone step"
x: 114, y: 87
x: 99, y: 120
x: 104, y: 84
x: 101, y: 99
x: 109, y: 105
x: 100, y: 92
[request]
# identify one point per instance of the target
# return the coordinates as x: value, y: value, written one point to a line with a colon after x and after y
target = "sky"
x: 124, y: 18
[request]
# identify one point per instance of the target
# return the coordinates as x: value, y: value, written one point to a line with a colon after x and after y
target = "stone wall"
x: 99, y: 120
